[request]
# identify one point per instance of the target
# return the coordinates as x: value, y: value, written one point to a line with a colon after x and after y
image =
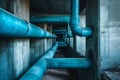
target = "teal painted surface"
x: 60, y: 63
x: 37, y: 71
x: 75, y: 21
x: 12, y: 26
x: 51, y: 52
x: 50, y: 19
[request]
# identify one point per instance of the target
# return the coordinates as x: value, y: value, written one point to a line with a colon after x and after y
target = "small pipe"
x: 59, y: 31
x: 75, y: 21
x: 12, y: 26
x: 61, y: 63
x: 50, y: 19
x: 37, y: 71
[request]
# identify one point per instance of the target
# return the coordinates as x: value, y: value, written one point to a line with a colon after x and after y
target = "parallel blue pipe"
x: 50, y: 19
x: 12, y: 26
x: 60, y: 63
x: 50, y: 53
x: 59, y: 31
x: 37, y: 71
x: 75, y: 21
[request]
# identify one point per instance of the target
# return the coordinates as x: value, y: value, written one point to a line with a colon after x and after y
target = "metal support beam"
x: 37, y: 71
x: 75, y: 21
x: 60, y: 63
x: 12, y: 26
x: 50, y: 19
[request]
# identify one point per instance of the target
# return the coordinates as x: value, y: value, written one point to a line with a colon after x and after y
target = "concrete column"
x: 45, y: 40
x: 51, y: 32
x: 14, y: 52
x: 81, y: 41
x: 93, y: 42
x: 109, y: 33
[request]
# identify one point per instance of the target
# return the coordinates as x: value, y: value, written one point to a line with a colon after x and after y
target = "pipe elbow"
x: 77, y: 31
x: 82, y: 31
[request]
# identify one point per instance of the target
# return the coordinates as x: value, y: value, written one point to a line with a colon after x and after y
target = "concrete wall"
x: 109, y: 33
x: 81, y: 41
x: 39, y: 46
x: 18, y: 54
x: 14, y: 53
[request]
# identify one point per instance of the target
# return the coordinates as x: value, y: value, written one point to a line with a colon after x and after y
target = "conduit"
x: 12, y: 26
x: 66, y: 63
x: 50, y: 19
x: 75, y: 21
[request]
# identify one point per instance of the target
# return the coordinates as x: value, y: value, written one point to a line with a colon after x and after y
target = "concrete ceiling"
x: 52, y: 6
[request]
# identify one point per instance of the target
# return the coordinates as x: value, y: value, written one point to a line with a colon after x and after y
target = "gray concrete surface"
x: 109, y: 33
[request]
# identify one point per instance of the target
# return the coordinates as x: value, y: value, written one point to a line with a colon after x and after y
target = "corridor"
x: 59, y: 40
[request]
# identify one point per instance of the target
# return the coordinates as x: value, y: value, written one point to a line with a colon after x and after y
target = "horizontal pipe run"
x: 12, y: 26
x: 37, y: 71
x: 50, y: 19
x: 60, y: 63
x: 59, y: 30
x: 75, y: 21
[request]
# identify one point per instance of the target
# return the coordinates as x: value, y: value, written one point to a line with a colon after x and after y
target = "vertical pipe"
x: 75, y: 19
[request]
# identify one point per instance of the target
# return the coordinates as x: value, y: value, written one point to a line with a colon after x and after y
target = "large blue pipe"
x: 50, y: 19
x: 12, y: 26
x: 37, y: 71
x: 75, y: 21
x: 60, y: 63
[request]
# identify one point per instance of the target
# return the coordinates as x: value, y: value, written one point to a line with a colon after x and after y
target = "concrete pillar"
x: 81, y: 41
x: 50, y: 40
x: 93, y: 42
x: 36, y: 49
x: 109, y: 33
x: 14, y: 52
x: 45, y: 40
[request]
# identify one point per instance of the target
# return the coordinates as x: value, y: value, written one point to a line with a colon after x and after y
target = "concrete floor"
x: 112, y: 73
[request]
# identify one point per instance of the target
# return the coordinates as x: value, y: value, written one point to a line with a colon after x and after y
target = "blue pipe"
x: 37, y: 71
x: 50, y: 53
x: 75, y: 21
x: 12, y: 26
x: 60, y: 63
x: 50, y: 19
x: 59, y: 31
